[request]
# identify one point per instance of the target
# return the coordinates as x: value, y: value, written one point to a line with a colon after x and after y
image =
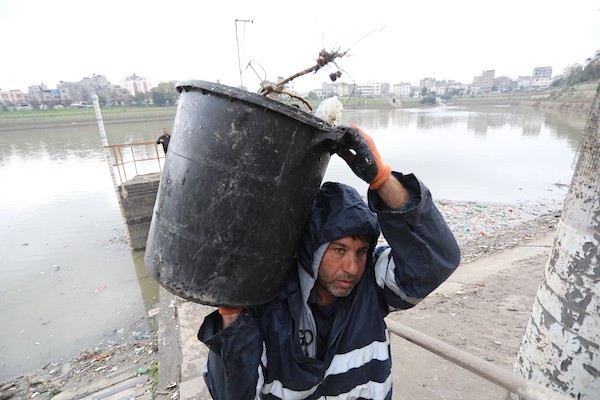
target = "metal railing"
x: 515, y: 384
x: 133, y: 159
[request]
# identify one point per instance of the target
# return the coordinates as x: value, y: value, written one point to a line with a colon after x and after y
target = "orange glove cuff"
x: 229, y: 311
x: 383, y: 173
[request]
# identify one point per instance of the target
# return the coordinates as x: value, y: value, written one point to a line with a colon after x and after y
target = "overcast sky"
x: 48, y: 41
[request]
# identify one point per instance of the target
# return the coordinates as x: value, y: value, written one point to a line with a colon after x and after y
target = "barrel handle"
x: 332, y: 135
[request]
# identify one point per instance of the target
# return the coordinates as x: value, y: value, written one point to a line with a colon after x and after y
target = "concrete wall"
x: 137, y: 199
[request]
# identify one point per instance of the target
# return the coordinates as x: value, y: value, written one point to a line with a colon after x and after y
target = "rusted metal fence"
x: 133, y: 159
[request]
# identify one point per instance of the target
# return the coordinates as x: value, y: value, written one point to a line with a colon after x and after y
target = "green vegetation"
x: 75, y: 112
x: 164, y: 94
x: 428, y: 97
x: 429, y: 100
x: 590, y: 73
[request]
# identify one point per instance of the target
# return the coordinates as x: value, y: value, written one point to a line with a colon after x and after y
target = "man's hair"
x: 366, y: 238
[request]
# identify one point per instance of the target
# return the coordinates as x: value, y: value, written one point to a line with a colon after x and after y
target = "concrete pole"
x: 109, y: 162
x: 561, y: 345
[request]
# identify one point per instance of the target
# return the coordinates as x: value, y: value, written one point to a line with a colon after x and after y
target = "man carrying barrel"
x: 325, y: 334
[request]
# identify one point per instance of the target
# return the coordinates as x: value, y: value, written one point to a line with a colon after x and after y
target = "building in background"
x: 504, y: 84
x: 523, y: 82
x: 13, y: 99
x: 484, y: 82
x: 427, y: 83
x: 42, y: 96
x: 403, y: 89
x: 371, y: 89
x: 542, y: 77
x: 136, y: 84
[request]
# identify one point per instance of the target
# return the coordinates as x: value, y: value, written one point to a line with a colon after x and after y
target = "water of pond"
x: 68, y: 280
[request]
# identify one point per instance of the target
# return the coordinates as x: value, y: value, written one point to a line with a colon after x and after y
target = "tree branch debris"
x: 324, y: 59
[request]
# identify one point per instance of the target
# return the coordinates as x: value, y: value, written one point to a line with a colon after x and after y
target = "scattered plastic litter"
x: 330, y: 110
x: 483, y: 228
x: 101, y: 288
x: 152, y: 312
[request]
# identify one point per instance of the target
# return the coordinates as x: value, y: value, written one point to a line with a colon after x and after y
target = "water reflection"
x: 489, y: 153
x: 148, y: 286
x: 479, y: 120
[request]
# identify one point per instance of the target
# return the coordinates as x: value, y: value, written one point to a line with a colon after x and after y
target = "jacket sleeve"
x: 234, y: 369
x: 422, y: 251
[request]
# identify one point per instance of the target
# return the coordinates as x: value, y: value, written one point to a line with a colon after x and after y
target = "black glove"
x: 359, y: 151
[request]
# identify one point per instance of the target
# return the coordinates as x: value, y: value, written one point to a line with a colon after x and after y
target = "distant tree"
x: 591, y: 72
x: 35, y: 104
x: 494, y: 88
x: 311, y: 95
x: 164, y: 94
x: 424, y: 92
x: 158, y: 97
x: 557, y: 83
x: 429, y: 99
x: 102, y: 100
x: 140, y: 98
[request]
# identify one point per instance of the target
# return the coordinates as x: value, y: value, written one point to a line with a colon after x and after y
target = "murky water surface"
x: 69, y: 281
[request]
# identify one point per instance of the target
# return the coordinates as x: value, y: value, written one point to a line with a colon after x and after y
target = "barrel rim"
x: 255, y: 99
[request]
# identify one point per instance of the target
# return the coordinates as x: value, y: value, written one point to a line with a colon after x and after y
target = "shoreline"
x: 576, y: 100
x: 88, y: 119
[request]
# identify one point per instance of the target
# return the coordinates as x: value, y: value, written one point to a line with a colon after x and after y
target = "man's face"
x: 342, y: 267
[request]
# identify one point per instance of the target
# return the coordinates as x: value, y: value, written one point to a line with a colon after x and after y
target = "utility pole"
x: 244, y: 21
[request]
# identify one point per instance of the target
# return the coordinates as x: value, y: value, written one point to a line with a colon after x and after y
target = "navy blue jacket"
x: 269, y: 352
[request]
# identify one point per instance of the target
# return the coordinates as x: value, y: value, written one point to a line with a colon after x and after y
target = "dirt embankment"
x: 563, y: 106
x: 576, y: 99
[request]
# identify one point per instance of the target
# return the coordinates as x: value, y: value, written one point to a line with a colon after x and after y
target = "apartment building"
x: 136, y: 84
x: 484, y: 82
x: 427, y: 83
x: 41, y: 94
x: 12, y: 97
x: 371, y: 89
x: 542, y: 77
x: 402, y: 89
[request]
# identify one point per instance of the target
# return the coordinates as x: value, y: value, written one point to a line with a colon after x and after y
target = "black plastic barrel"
x: 235, y: 194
